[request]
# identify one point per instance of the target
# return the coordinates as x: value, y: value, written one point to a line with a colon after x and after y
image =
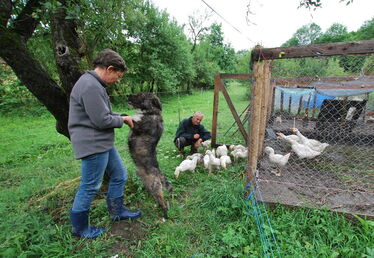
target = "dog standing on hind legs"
x: 142, y: 141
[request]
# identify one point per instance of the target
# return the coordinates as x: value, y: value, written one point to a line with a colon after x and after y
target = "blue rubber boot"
x: 118, y: 212
x: 81, y: 227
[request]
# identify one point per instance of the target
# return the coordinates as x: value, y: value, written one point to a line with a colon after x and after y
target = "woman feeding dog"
x: 91, y: 127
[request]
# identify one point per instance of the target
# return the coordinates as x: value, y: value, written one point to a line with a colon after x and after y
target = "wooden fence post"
x: 260, y: 104
x: 217, y: 79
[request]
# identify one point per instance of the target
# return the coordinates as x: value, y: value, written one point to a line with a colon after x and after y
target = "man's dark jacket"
x: 187, y: 130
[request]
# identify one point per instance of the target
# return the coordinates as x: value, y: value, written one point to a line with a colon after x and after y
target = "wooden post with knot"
x: 261, y: 102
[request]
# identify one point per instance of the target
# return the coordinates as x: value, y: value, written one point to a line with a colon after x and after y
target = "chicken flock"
x: 213, y: 159
x: 302, y: 146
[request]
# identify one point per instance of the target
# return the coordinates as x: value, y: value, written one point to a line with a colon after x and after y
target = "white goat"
x: 186, y: 165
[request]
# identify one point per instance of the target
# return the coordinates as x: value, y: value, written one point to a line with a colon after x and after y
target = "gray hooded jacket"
x: 91, y: 120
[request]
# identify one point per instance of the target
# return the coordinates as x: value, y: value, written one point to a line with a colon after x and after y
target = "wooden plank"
x: 244, y: 76
x: 307, y: 80
x: 307, y: 107
x: 255, y: 121
x: 271, y: 101
x: 233, y: 110
x: 217, y: 79
x: 327, y: 87
x: 314, y: 106
x: 300, y: 105
x: 328, y: 49
x: 365, y: 107
x: 265, y: 106
x: 281, y: 101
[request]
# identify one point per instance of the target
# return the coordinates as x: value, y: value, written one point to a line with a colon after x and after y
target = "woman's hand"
x: 128, y: 120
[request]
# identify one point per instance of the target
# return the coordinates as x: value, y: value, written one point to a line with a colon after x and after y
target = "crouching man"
x: 191, y: 133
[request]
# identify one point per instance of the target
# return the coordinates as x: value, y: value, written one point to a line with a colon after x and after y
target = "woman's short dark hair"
x: 108, y: 57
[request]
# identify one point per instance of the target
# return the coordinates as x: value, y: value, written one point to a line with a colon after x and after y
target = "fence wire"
x: 323, y: 115
x: 228, y: 131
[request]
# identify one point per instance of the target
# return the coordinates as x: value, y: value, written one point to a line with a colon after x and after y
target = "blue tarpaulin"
x: 319, y: 99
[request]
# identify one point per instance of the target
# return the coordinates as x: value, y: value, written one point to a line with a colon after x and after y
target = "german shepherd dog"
x: 142, y: 141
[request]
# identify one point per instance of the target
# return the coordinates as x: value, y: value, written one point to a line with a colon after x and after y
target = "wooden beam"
x: 233, y: 110
x: 314, y: 106
x: 307, y: 80
x: 329, y: 49
x: 217, y: 79
x: 265, y: 106
x: 254, y: 125
x: 272, y: 100
x: 236, y: 76
x: 281, y: 101
x: 300, y: 105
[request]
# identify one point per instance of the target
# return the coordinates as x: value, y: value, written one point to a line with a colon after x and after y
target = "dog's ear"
x: 156, y: 102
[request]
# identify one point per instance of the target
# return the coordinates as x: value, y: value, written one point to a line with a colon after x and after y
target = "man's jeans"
x: 93, y: 169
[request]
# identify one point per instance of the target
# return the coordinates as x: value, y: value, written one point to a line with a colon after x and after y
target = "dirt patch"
x: 127, y: 234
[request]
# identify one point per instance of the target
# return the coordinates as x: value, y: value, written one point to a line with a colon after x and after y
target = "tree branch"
x: 25, y: 23
x: 5, y: 12
x: 67, y: 49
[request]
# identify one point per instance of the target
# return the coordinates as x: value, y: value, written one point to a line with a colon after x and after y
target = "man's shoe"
x: 178, y: 145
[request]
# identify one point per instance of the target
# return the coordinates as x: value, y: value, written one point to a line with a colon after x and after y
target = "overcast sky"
x: 273, y: 22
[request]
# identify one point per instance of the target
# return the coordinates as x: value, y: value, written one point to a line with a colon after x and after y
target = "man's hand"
x: 197, y: 143
x: 128, y: 120
x: 196, y: 136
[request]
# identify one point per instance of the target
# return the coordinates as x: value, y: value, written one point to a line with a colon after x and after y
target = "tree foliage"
x: 49, y: 43
x: 342, y: 65
x: 306, y: 35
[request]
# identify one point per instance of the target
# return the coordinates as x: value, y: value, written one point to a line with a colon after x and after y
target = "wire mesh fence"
x: 228, y: 131
x: 319, y: 141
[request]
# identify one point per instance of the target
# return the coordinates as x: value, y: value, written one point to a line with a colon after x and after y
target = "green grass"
x: 208, y: 217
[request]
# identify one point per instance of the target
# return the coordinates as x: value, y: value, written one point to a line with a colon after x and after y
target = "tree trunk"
x: 14, y: 51
x: 67, y: 50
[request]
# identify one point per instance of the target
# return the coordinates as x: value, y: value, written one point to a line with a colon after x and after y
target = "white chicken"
x: 206, y: 160
x: 239, y: 154
x: 225, y: 160
x: 277, y: 159
x: 288, y: 138
x: 186, y: 165
x: 198, y: 155
x: 213, y: 161
x: 206, y: 144
x: 239, y: 146
x: 302, y: 151
x: 221, y: 151
x: 311, y: 143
